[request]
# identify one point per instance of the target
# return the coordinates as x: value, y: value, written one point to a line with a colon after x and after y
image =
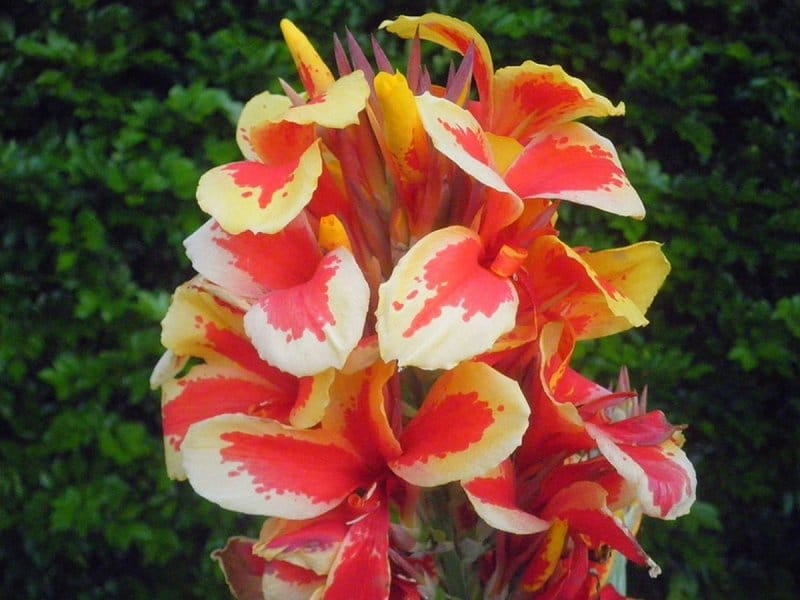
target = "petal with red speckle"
x: 440, y: 305
x: 456, y: 134
x: 571, y: 162
x: 251, y: 196
x: 314, y: 73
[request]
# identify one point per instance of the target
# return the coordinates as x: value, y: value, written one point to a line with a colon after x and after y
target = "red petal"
x: 243, y: 571
x: 361, y: 569
x: 493, y: 496
x: 261, y: 467
x: 571, y: 162
x: 248, y: 264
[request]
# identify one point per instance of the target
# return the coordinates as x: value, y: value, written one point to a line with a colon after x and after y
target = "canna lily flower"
x: 384, y: 306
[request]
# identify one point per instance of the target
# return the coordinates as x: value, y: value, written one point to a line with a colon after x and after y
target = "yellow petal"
x: 314, y: 73
x: 402, y: 127
x: 638, y: 271
x: 336, y: 108
x: 250, y: 196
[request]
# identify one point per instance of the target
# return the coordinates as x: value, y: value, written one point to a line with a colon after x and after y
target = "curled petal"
x: 440, y: 306
x: 312, y: 399
x: 260, y: 198
x: 337, y: 107
x: 456, y: 134
x: 583, y: 506
x: 663, y: 476
x: 314, y: 73
x: 202, y: 323
x: 248, y: 264
x: 635, y: 271
x: 261, y: 467
x: 453, y: 34
x: 313, y: 326
x: 262, y: 108
x: 567, y: 287
x: 571, y: 162
x: 471, y: 420
x: 493, y: 495
x: 242, y: 570
x: 531, y: 97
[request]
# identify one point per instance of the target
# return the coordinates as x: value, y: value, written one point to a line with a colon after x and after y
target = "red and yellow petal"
x: 314, y: 73
x: 583, y: 506
x: 458, y: 135
x: 663, y: 477
x: 289, y: 582
x: 493, y: 495
x: 257, y: 466
x: 571, y: 162
x: 471, y: 420
x: 531, y: 97
x: 251, y: 196
x: 546, y: 557
x: 207, y: 391
x: 313, y: 396
x: 565, y: 286
x: 452, y: 34
x: 308, y: 328
x: 636, y: 271
x: 357, y: 412
x: 248, y: 264
x: 260, y: 109
x: 309, y: 543
x: 203, y: 322
x: 441, y: 306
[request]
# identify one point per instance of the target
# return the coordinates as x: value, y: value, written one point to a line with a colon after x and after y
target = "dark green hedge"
x: 111, y: 112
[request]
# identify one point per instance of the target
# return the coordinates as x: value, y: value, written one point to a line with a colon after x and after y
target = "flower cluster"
x: 375, y: 354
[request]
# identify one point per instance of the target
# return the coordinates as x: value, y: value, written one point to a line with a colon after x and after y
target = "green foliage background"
x: 110, y: 113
